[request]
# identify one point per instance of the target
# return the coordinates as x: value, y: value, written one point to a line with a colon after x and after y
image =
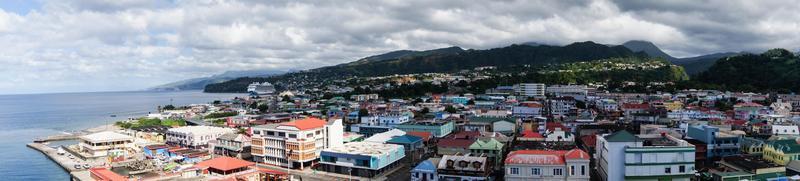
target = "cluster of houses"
x: 521, y: 132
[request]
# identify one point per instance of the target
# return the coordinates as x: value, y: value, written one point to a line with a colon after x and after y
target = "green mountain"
x: 773, y: 70
x: 445, y: 60
x: 692, y: 65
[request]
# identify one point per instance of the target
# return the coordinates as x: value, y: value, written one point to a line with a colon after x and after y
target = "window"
x: 514, y: 171
x: 310, y: 135
x: 583, y: 169
x: 292, y: 135
x: 558, y: 171
x: 667, y: 170
x: 682, y: 169
x: 281, y: 134
x: 572, y: 170
x: 536, y: 171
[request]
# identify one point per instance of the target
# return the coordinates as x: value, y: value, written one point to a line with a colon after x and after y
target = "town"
x: 525, y: 131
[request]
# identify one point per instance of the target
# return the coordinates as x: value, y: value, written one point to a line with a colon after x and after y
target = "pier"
x: 66, y: 163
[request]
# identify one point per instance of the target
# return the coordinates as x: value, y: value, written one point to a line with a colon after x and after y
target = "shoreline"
x: 65, y: 161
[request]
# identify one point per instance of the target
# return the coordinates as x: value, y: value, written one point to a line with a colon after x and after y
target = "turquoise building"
x: 363, y: 159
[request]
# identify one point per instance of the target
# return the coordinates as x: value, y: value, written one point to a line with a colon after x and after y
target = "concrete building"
x: 577, y: 91
x: 195, y: 136
x: 720, y: 143
x: 547, y: 165
x: 624, y: 156
x: 363, y: 159
x: 300, y: 141
x: 106, y: 143
x: 231, y: 145
x: 529, y: 89
x: 439, y: 128
x: 425, y: 171
x: 464, y: 167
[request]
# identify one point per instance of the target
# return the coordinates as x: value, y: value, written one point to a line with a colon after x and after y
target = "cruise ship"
x: 261, y: 88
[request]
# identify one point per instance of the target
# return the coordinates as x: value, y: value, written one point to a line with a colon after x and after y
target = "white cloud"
x: 90, y: 45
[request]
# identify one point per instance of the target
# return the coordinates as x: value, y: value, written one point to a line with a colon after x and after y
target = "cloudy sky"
x: 94, y: 45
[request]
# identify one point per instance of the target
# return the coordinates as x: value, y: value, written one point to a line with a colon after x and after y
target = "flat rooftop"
x: 365, y: 148
x: 657, y: 140
x: 748, y: 162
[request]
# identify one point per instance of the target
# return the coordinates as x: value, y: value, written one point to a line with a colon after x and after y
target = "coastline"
x: 68, y: 160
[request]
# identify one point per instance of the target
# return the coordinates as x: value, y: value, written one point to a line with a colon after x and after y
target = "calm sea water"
x: 25, y: 117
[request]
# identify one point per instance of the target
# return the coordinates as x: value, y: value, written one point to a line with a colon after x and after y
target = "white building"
x: 547, y: 165
x: 785, y: 130
x: 607, y: 105
x: 530, y: 89
x: 106, y: 143
x: 579, y: 92
x: 562, y: 106
x: 195, y: 136
x: 624, y: 156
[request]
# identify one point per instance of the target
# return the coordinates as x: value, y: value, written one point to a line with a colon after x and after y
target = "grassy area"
x: 142, y: 122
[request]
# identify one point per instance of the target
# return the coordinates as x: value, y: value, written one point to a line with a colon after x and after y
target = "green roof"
x: 621, y: 136
x: 788, y: 146
x: 486, y: 144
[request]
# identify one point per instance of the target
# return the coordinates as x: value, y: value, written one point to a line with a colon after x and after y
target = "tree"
x: 450, y: 109
x: 425, y: 110
x: 263, y: 108
x: 471, y: 102
x: 168, y: 107
x: 286, y: 98
x: 363, y: 112
x: 254, y: 105
x: 217, y: 102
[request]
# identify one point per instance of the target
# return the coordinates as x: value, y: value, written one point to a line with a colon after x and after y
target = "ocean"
x: 26, y: 117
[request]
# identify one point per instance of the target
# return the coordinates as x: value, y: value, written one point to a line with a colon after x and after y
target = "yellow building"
x: 673, y: 105
x: 781, y: 151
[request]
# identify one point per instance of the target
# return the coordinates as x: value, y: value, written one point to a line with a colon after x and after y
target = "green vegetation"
x: 220, y: 115
x: 776, y: 70
x: 143, y: 122
x: 219, y: 121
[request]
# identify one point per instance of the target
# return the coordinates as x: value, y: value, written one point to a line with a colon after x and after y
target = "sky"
x: 99, y: 45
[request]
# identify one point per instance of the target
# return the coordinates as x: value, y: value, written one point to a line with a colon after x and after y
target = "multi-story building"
x: 577, y: 91
x: 106, y: 144
x: 232, y: 145
x: 530, y: 89
x: 528, y: 109
x: 464, y: 167
x: 547, y: 165
x: 720, y: 143
x: 624, y: 156
x: 781, y: 151
x: 299, y: 141
x: 363, y: 159
x: 607, y: 105
x: 439, y: 128
x: 195, y: 136
x: 562, y: 106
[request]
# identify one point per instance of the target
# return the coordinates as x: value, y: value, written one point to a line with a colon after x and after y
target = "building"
x: 528, y: 109
x: 785, y: 130
x: 425, y: 171
x: 719, y: 143
x: 529, y: 89
x: 231, y: 145
x: 363, y: 159
x: 562, y: 106
x: 748, y: 167
x: 547, y: 165
x: 781, y: 151
x: 490, y: 147
x: 195, y: 136
x: 607, y: 105
x: 364, y: 97
x: 507, y: 126
x: 107, y: 143
x: 577, y: 91
x: 439, y: 128
x: 646, y: 157
x: 300, y: 140
x: 464, y: 167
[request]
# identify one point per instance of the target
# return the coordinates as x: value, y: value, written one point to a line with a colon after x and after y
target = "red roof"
x: 551, y: 126
x: 530, y: 134
x: 545, y: 157
x: 225, y: 163
x: 589, y: 140
x: 270, y: 171
x: 576, y: 154
x: 307, y: 123
x: 635, y: 106
x: 104, y: 174
x: 422, y: 134
x: 531, y: 104
x: 458, y: 143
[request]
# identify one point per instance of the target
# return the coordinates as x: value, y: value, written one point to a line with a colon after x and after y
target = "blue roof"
x: 405, y: 139
x: 426, y: 165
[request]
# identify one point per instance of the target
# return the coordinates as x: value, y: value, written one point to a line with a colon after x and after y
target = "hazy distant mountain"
x: 692, y: 65
x: 200, y: 83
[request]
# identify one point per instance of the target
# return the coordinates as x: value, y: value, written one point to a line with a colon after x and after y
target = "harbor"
x: 76, y: 165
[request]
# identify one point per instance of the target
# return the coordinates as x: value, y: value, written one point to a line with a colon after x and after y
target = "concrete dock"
x: 66, y: 163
